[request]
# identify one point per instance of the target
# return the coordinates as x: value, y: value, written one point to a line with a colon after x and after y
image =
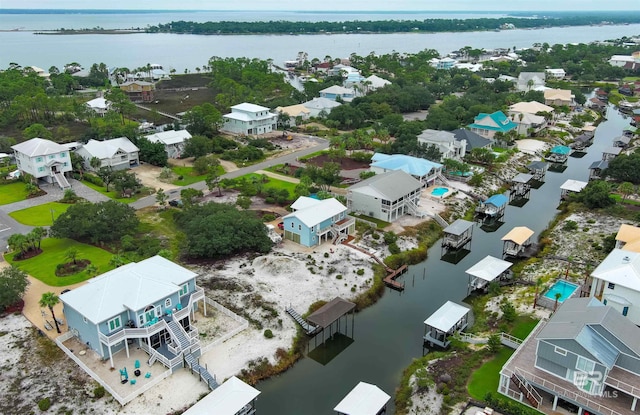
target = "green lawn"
x: 42, y: 215
x: 43, y: 266
x: 487, y: 377
x: 523, y: 326
x: 12, y: 192
x: 113, y: 194
x: 272, y: 183
x: 618, y: 199
x: 188, y: 176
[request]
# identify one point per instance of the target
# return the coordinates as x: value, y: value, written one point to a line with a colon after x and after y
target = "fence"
x: 244, y: 324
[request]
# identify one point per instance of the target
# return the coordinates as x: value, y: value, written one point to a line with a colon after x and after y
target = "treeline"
x: 387, y: 26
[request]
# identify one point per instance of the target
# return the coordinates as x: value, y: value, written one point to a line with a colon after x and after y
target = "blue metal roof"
x: 499, y: 122
x: 497, y: 200
x: 414, y: 166
x: 564, y: 150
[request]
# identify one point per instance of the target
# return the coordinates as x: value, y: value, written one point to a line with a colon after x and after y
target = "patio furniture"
x: 137, y: 364
x: 179, y: 306
x: 133, y: 381
x: 124, y: 376
x: 147, y: 375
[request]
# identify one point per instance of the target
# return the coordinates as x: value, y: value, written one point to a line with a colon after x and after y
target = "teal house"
x: 314, y: 221
x: 487, y: 125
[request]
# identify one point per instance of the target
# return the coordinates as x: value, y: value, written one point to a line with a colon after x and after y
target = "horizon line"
x: 323, y: 11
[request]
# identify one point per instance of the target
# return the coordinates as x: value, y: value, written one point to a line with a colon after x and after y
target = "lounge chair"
x: 132, y: 381
x: 137, y: 364
x: 147, y: 375
x: 179, y: 306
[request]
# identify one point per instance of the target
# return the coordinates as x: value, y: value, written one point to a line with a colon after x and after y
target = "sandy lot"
x: 149, y: 174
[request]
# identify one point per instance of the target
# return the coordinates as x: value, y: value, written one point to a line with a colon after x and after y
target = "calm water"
x: 389, y: 334
x: 182, y: 52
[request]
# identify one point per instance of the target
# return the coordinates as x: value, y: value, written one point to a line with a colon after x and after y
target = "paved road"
x: 289, y: 158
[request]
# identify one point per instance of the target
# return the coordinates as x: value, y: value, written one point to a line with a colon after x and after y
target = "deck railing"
x: 622, y: 386
x: 127, y: 333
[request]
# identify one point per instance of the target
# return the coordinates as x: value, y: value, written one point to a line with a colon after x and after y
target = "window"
x: 167, y: 303
x: 625, y: 311
x: 585, y: 365
x: 114, y: 324
x: 40, y: 169
x: 611, y: 286
x: 52, y: 156
x: 63, y: 154
x: 38, y: 159
x: 299, y: 227
x: 292, y: 224
x: 604, y: 301
x: 560, y: 351
x: 84, y: 319
x: 66, y: 164
x: 184, y: 289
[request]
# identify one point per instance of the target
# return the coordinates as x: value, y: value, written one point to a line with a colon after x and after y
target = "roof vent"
x: 626, y: 260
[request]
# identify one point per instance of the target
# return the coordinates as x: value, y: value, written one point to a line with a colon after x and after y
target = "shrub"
x: 390, y: 237
x: 509, y: 313
x: 570, y: 225
x: 268, y: 334
x: 98, y: 392
x: 44, y: 404
x: 360, y: 271
x: 269, y: 217
x: 339, y: 276
x: 326, y: 255
x: 93, y: 179
x: 394, y: 248
x: 494, y: 343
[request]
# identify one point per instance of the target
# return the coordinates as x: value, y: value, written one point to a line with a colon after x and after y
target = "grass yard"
x: 189, y: 176
x: 487, y: 377
x: 113, y: 194
x: 272, y: 183
x: 12, y: 192
x: 160, y: 224
x: 43, y: 266
x: 523, y: 326
x: 42, y: 215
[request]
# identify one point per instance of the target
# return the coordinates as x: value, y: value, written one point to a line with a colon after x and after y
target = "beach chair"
x: 147, y: 375
x: 60, y: 321
x: 47, y: 325
x: 124, y: 376
x: 137, y: 364
x: 132, y: 381
x: 179, y: 307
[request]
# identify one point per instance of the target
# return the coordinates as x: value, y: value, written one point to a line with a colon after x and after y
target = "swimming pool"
x: 564, y: 288
x: 439, y: 191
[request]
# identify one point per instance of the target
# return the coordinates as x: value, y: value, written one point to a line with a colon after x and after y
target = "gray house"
x: 585, y: 355
x: 386, y: 196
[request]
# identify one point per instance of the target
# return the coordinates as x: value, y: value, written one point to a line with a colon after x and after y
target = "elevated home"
x: 446, y: 321
x: 44, y: 159
x: 487, y: 125
x: 596, y: 168
x: 616, y: 282
x: 445, y: 142
x: 364, y: 399
x: 530, y: 81
x: 249, y: 119
x: 315, y: 221
x: 538, y: 169
x: 556, y: 73
x: 139, y: 91
x: 586, y: 355
x: 296, y: 113
x: 486, y: 271
x: 493, y: 207
x: 174, y: 141
x: 559, y: 97
x: 571, y: 186
x: 99, y: 105
x: 457, y: 235
x: 320, y: 107
x: 559, y: 154
x: 233, y: 397
x: 421, y: 169
x: 334, y: 92
x: 117, y: 153
x: 610, y: 153
x: 516, y: 242
x: 473, y: 140
x: 386, y: 196
x: 147, y: 303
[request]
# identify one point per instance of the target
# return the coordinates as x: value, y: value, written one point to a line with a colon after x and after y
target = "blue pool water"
x: 566, y: 289
x: 439, y: 191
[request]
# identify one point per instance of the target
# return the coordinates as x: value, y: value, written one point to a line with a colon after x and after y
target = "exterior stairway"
x: 179, y: 335
x: 192, y: 364
x: 61, y: 180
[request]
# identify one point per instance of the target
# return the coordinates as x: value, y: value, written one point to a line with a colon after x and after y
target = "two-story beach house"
x: 446, y: 142
x: 44, y: 159
x: 148, y: 304
x: 336, y: 91
x: 118, y: 153
x: 559, y: 97
x: 173, y: 140
x: 138, y: 91
x: 387, y: 196
x: 487, y: 125
x: 314, y: 221
x: 319, y: 107
x: 424, y: 170
x: 99, y: 105
x: 249, y: 119
x: 587, y: 356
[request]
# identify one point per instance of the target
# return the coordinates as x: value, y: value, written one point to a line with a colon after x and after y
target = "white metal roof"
x: 38, y: 147
x: 620, y: 267
x: 364, y: 399
x: 489, y: 268
x: 337, y: 89
x: 98, y: 103
x: 226, y: 399
x: 247, y: 107
x: 319, y: 212
x: 573, y: 185
x: 108, y: 148
x: 169, y: 137
x: 132, y: 286
x: 447, y: 316
x: 304, y: 202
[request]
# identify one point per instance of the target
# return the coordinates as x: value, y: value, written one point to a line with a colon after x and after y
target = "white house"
x: 336, y: 91
x: 320, y: 106
x: 249, y: 119
x: 446, y: 142
x: 44, y: 159
x: 528, y: 81
x: 99, y: 105
x: 621, y: 60
x: 556, y: 73
x: 173, y: 140
x: 374, y: 82
x: 117, y: 153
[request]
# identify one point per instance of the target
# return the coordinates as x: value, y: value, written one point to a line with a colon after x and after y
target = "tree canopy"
x: 13, y: 285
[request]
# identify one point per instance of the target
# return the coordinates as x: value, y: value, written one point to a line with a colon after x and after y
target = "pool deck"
x: 550, y: 302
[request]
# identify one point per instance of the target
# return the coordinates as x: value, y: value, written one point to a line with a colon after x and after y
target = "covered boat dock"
x: 364, y: 399
x: 559, y: 154
x: 486, y: 271
x: 493, y: 207
x: 457, y: 235
x: 571, y: 186
x: 516, y: 242
x: 231, y: 398
x: 445, y: 322
x: 538, y: 169
x: 332, y: 312
x: 520, y: 189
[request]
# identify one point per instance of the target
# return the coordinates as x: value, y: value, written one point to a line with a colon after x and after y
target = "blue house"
x: 149, y: 303
x: 423, y: 170
x: 316, y: 220
x: 487, y: 125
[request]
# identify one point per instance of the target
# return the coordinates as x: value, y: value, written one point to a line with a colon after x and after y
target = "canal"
x: 388, y: 335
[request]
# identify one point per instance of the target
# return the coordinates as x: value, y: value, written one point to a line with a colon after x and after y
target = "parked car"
x: 176, y: 203
x: 281, y: 225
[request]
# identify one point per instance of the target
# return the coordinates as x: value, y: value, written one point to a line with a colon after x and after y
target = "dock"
x: 306, y: 326
x: 390, y: 280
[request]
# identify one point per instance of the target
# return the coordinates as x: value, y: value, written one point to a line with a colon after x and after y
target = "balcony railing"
x: 136, y: 333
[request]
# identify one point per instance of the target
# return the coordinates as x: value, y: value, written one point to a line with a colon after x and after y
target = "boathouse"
x: 520, y: 188
x: 487, y: 270
x: 596, y: 168
x: 622, y: 141
x: 516, y: 242
x: 559, y: 154
x: 582, y: 141
x: 493, y: 207
x: 457, y: 235
x: 610, y: 153
x: 445, y: 322
x: 538, y: 169
x: 331, y: 313
x: 234, y: 397
x: 571, y: 186
x: 364, y: 399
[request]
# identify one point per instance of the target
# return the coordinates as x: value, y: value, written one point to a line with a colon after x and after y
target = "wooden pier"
x: 306, y: 326
x: 390, y: 280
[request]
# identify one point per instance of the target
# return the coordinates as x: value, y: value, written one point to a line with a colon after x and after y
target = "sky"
x: 326, y: 5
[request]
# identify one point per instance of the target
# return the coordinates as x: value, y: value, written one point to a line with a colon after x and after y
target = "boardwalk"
x: 306, y: 326
x: 390, y: 279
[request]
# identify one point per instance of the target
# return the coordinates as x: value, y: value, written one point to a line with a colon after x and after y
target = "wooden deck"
x: 390, y: 280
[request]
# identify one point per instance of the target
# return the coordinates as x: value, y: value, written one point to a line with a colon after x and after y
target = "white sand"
x: 531, y: 146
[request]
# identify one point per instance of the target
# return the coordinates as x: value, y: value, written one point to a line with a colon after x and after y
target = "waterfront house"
x: 116, y: 153
x: 99, y: 105
x: 616, y: 282
x: 516, y: 242
x: 445, y: 142
x: 364, y: 399
x: 596, y: 168
x: 444, y: 63
x: 334, y: 92
x: 556, y: 73
x: 44, y: 159
x: 423, y: 170
x: 487, y: 125
x: 586, y: 355
x: 559, y: 97
x: 174, y: 141
x: 315, y: 221
x: 472, y: 140
x: 139, y: 91
x: 147, y: 304
x: 571, y: 186
x: 446, y: 321
x: 233, y: 397
x: 610, y: 153
x: 249, y: 119
x: 386, y: 196
x: 628, y: 238
x: 297, y: 113
x: 320, y: 107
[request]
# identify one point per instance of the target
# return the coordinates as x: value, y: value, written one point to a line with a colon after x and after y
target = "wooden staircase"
x: 527, y: 390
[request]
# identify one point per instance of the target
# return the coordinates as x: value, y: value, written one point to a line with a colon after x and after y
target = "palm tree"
x: 49, y: 300
x: 72, y: 255
x: 91, y: 270
x: 116, y: 261
x: 538, y: 285
x: 555, y: 306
